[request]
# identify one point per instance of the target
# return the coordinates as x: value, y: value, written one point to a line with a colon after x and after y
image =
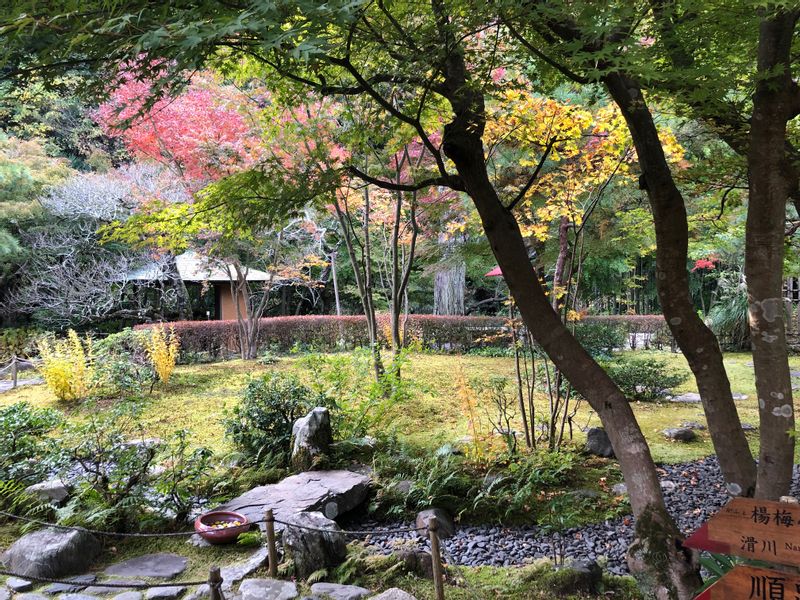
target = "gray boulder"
x: 53, y: 491
x: 393, y: 594
x: 680, y: 434
x: 447, y: 528
x: 312, y: 437
x: 337, y: 591
x: 619, y: 489
x: 578, y: 578
x: 311, y: 549
x: 598, y: 444
x: 693, y: 425
x: 418, y: 562
x: 267, y: 589
x: 52, y: 553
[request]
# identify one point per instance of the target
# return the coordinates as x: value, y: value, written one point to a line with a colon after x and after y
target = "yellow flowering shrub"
x: 162, y: 349
x: 67, y: 366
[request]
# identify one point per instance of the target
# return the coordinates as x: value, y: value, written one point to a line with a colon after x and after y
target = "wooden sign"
x: 755, y: 529
x: 751, y: 583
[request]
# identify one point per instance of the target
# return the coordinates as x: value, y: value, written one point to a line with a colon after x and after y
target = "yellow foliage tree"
x: 68, y: 366
x: 162, y: 349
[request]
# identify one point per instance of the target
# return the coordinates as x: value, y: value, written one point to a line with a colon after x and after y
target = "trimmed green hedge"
x: 434, y: 332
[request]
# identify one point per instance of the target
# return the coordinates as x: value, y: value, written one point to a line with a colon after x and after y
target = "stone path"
x: 694, y: 397
x: 5, y: 384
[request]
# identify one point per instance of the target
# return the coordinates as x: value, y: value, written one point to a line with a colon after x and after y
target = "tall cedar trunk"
x: 696, y: 341
x: 657, y: 555
x: 769, y: 187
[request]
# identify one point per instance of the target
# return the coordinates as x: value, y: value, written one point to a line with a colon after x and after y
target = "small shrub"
x: 112, y: 491
x: 19, y: 341
x: 185, y: 483
x: 261, y: 425
x: 23, y: 449
x: 123, y: 365
x: 601, y: 339
x: 359, y: 402
x: 163, y: 348
x: 68, y: 366
x: 644, y: 378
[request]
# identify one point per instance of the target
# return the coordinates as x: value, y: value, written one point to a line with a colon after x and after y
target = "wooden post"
x: 436, y: 557
x: 14, y: 369
x: 269, y: 519
x: 214, y: 583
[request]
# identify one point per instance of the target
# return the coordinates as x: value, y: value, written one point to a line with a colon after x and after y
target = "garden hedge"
x: 441, y: 333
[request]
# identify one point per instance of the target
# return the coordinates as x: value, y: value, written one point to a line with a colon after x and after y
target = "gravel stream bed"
x: 693, y: 492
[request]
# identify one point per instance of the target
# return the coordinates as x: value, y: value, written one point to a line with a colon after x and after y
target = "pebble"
x: 693, y: 493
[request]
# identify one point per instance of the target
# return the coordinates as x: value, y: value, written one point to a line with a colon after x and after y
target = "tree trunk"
x: 362, y: 274
x: 558, y: 292
x: 774, y: 103
x: 334, y: 255
x: 696, y: 341
x: 181, y: 294
x: 671, y: 570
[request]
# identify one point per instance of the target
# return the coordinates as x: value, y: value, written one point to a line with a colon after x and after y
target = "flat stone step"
x: 162, y: 565
x: 332, y: 493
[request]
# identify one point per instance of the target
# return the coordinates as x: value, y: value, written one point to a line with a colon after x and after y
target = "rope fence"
x: 13, y: 366
x: 269, y: 520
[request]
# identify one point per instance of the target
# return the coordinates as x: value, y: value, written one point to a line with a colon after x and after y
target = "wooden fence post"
x: 215, y: 583
x: 14, y: 369
x: 436, y: 557
x: 269, y: 519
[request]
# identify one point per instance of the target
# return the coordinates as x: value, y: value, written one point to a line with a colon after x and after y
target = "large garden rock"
x: 447, y: 528
x: 393, y: 594
x: 597, y: 443
x: 579, y: 578
x: 332, y: 493
x: 337, y: 591
x: 52, y: 553
x: 163, y: 565
x: 267, y: 589
x: 681, y: 434
x: 310, y: 548
x: 53, y: 491
x: 418, y: 562
x: 311, y: 438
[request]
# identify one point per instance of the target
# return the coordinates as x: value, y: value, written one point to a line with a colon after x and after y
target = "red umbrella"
x: 496, y: 272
